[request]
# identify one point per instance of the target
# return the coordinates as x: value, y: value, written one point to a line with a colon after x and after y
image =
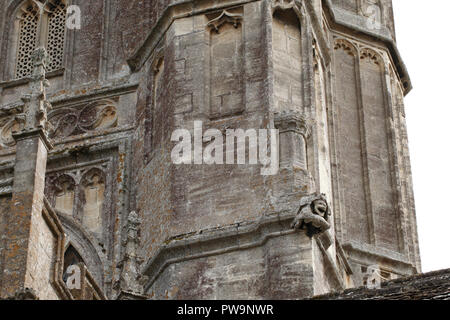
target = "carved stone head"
x: 320, y: 207
x: 313, y: 215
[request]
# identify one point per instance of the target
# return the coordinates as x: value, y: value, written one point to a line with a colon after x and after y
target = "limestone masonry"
x: 92, y: 205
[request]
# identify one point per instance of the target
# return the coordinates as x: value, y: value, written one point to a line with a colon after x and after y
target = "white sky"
x: 422, y: 37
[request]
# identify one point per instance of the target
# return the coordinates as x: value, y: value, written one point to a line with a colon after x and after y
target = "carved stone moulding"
x: 98, y: 115
x: 225, y: 17
x: 293, y: 122
x: 345, y: 45
x: 372, y: 56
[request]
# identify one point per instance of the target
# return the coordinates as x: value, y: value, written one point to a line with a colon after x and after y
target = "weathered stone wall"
x: 137, y: 70
x: 191, y: 197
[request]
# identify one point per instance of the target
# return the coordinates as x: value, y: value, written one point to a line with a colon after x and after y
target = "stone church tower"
x: 92, y: 205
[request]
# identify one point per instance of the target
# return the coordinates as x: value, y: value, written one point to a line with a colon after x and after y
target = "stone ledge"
x: 217, y: 241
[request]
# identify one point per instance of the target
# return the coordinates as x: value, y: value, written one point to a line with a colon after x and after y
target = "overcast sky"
x: 422, y: 37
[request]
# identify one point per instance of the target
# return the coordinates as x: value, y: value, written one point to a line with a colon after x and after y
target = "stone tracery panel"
x: 28, y: 17
x: 378, y: 148
x: 350, y: 144
x: 80, y: 193
x: 366, y: 169
x: 93, y: 116
x: 52, y: 34
x: 56, y: 33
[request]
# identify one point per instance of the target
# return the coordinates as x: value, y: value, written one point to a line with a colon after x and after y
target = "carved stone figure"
x: 313, y: 215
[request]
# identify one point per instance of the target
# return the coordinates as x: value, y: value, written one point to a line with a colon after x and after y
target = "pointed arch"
x: 71, y: 257
x: 85, y: 246
x: 345, y: 45
x: 372, y: 56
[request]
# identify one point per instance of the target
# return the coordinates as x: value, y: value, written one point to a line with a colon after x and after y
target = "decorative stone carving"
x: 346, y: 46
x: 313, y: 215
x: 130, y: 275
x: 371, y: 8
x: 372, y: 56
x: 94, y: 116
x: 225, y: 17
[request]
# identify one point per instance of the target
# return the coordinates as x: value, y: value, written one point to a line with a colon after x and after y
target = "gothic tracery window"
x: 27, y: 40
x: 56, y: 33
x: 51, y: 34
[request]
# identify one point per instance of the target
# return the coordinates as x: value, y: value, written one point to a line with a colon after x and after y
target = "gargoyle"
x: 313, y: 214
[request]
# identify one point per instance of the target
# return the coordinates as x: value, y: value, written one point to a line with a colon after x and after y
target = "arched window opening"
x: 51, y: 29
x: 27, y: 40
x: 56, y: 33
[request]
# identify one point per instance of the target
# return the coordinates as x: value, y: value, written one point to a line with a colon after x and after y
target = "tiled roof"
x: 429, y: 286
